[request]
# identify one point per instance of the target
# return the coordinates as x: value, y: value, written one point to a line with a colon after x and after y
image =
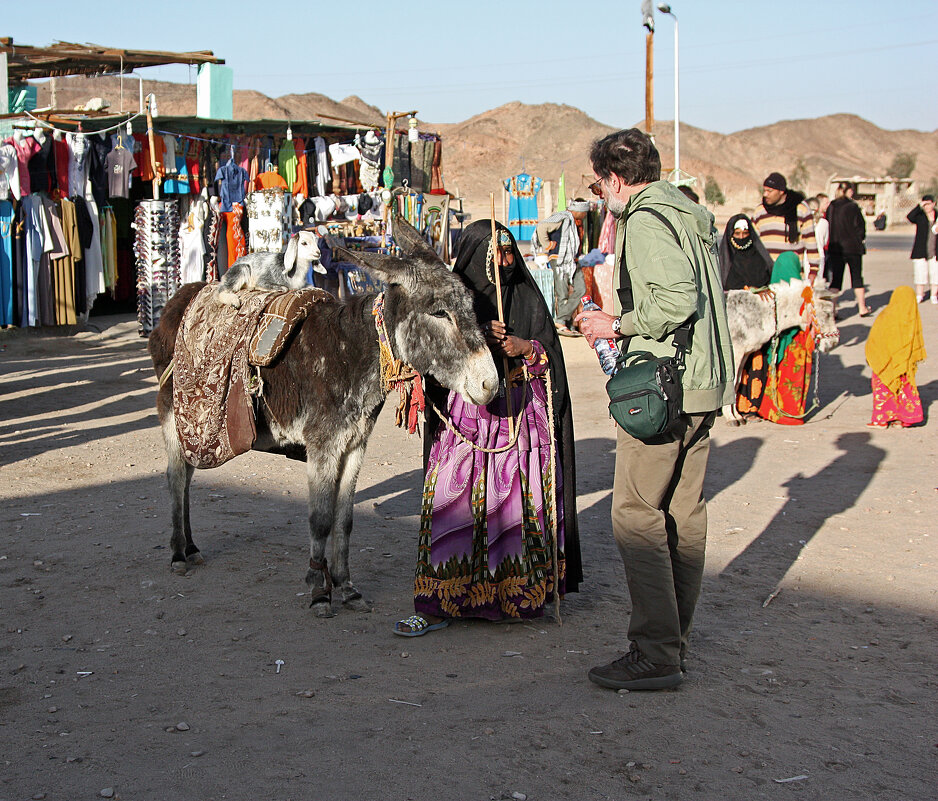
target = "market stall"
x: 101, y: 213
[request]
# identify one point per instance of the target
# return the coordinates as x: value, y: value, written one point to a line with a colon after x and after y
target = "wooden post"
x: 496, y: 270
x: 649, y: 82
x: 156, y: 174
x: 389, y: 135
x: 389, y: 142
x: 5, y: 127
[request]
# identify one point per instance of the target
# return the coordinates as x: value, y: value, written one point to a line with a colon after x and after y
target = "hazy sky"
x: 742, y: 63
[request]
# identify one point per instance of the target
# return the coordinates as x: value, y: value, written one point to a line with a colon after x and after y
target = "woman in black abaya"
x: 486, y: 533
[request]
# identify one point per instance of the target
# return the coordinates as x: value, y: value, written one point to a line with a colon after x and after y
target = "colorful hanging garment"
x: 522, y: 205
x: 6, y: 262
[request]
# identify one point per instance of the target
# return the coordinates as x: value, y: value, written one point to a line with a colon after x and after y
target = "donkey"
x: 754, y: 320
x: 324, y: 393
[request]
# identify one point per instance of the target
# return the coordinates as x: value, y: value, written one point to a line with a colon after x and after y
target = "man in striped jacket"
x: 785, y: 222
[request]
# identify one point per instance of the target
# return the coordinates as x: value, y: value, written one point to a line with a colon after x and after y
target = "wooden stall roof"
x: 196, y: 125
x: 25, y: 62
x: 93, y: 121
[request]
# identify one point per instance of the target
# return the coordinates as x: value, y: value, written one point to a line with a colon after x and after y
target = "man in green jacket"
x: 659, y: 516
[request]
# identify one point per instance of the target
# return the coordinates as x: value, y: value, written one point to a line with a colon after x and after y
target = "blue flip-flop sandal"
x: 418, y: 626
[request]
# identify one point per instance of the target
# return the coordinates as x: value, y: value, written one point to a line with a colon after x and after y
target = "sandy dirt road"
x: 116, y: 674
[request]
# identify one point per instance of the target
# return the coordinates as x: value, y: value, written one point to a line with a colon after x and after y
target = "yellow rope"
x: 512, y: 439
x: 555, y: 548
x: 166, y: 374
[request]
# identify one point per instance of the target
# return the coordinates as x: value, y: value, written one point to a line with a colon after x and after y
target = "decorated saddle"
x: 213, y: 381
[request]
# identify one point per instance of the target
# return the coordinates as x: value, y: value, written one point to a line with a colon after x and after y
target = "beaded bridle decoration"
x: 397, y: 374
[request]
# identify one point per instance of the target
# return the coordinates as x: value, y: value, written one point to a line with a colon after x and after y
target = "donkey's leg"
x: 342, y: 528
x: 730, y: 412
x: 321, y: 472
x: 178, y: 477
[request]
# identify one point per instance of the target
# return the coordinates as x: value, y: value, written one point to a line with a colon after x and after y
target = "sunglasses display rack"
x: 156, y: 250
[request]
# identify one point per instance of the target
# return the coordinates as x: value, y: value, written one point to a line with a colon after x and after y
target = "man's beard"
x: 616, y: 206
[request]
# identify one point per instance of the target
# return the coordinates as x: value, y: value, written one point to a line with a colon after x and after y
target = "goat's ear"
x: 389, y: 269
x: 410, y: 240
x: 289, y: 256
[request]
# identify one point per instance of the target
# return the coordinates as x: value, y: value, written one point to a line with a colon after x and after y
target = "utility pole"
x: 648, y: 20
x: 665, y: 8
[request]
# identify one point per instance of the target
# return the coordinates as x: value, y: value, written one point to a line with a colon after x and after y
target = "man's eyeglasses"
x: 596, y: 187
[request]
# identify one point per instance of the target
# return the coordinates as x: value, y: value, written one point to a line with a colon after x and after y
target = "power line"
x: 620, y: 76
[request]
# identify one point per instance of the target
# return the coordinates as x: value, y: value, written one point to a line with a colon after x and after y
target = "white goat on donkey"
x: 754, y: 319
x: 272, y: 271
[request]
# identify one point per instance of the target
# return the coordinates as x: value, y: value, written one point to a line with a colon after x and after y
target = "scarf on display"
x: 788, y: 209
x: 569, y: 243
x: 895, y: 346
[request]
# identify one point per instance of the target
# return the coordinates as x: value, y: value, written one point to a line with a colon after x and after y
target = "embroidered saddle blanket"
x: 216, y: 346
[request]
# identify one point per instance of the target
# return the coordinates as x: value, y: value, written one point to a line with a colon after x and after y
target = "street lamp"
x: 664, y: 8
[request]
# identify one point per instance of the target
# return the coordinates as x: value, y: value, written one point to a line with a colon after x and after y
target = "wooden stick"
x: 501, y: 315
x: 153, y: 165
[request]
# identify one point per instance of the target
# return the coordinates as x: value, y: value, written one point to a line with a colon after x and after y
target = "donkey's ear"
x: 389, y: 269
x: 289, y: 255
x: 410, y: 240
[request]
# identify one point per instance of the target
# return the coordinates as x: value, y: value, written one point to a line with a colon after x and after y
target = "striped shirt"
x: 774, y: 234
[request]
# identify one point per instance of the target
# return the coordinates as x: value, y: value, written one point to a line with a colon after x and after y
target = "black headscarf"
x: 788, y: 209
x: 526, y: 316
x: 751, y: 266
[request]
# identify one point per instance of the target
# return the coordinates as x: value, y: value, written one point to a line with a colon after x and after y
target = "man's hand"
x: 595, y: 325
x: 551, y: 245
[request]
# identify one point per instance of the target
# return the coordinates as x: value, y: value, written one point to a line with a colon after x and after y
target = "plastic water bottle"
x: 605, y: 349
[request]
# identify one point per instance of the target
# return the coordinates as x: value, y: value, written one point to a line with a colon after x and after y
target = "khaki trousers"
x: 659, y: 519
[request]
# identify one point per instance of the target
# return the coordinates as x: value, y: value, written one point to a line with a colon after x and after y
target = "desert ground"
x: 120, y: 679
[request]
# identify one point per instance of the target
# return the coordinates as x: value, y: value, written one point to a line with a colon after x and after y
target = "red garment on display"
x: 62, y: 155
x: 237, y: 246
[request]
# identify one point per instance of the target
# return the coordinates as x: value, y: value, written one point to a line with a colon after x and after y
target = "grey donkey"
x: 322, y: 396
x: 271, y: 271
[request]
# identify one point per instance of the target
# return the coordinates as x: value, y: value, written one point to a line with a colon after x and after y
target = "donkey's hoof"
x: 195, y: 559
x: 322, y: 606
x: 179, y: 567
x: 358, y: 604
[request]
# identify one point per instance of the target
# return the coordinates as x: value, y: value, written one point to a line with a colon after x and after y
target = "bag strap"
x: 682, y: 333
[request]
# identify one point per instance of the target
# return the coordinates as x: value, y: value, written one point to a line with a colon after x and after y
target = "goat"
x: 271, y: 271
x: 322, y: 396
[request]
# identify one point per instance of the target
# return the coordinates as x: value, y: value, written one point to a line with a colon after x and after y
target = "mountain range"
x: 549, y: 139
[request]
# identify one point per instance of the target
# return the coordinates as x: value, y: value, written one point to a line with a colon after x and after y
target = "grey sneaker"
x: 634, y: 672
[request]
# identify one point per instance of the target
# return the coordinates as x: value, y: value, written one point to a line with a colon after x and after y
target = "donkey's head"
x: 430, y: 319
x: 828, y: 333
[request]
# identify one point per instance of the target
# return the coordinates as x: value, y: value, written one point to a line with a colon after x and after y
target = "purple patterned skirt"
x: 485, y: 528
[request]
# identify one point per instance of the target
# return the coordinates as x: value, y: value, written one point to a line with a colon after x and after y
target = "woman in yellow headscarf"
x: 893, y: 350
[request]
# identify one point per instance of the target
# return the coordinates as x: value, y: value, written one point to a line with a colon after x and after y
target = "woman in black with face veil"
x: 486, y: 547
x: 744, y: 261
